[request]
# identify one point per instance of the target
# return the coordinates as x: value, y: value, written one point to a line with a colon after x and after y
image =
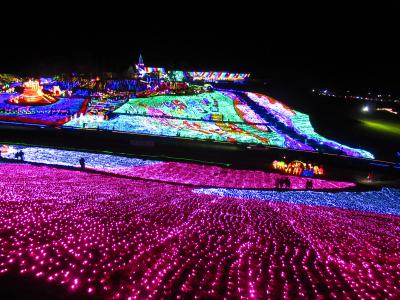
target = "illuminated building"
x: 33, y: 95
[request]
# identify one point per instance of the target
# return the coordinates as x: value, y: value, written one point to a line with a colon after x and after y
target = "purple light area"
x: 206, y: 175
x: 292, y: 143
x: 132, y: 239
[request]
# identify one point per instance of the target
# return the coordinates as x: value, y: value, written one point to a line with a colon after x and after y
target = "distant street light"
x: 365, y: 108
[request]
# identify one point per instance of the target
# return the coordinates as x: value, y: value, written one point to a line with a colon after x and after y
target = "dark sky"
x: 350, y: 44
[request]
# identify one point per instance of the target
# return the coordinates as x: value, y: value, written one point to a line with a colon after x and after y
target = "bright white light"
x: 365, y: 108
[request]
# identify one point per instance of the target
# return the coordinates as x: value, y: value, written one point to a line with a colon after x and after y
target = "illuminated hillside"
x: 222, y: 116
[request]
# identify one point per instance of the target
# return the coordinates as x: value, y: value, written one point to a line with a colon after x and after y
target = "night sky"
x: 342, y: 45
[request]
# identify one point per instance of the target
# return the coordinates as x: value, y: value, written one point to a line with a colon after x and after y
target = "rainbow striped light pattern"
x: 152, y: 69
x: 218, y: 76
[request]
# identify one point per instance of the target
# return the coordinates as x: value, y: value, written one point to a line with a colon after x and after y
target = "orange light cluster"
x: 297, y: 167
x: 6, y: 149
x: 33, y: 95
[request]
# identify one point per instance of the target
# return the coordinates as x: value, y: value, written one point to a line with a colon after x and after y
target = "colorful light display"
x: 33, y: 95
x: 52, y: 114
x: 154, y: 69
x: 96, y: 112
x: 194, y: 107
x: 173, y: 172
x: 300, y: 124
x: 224, y: 117
x: 143, y: 70
x: 211, y: 116
x: 129, y: 239
x: 298, y: 168
x: 218, y: 76
x: 173, y: 109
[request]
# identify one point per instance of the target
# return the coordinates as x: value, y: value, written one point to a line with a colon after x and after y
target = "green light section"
x: 178, y: 76
x: 302, y: 123
x: 204, y: 116
x: 205, y: 130
x: 203, y: 106
x: 382, y: 126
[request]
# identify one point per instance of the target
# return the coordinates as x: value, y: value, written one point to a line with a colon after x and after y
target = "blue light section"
x: 71, y: 158
x: 385, y: 201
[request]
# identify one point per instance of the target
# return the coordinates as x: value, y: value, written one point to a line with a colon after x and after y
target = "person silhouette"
x: 82, y: 162
x: 288, y: 182
x: 277, y: 183
x: 281, y: 183
x: 309, y: 184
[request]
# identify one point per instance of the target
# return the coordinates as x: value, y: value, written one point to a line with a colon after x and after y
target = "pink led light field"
x: 205, y: 175
x: 111, y: 237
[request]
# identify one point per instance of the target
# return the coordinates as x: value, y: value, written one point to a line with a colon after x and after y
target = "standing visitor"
x: 309, y: 185
x: 277, y: 183
x: 82, y: 162
x: 281, y: 182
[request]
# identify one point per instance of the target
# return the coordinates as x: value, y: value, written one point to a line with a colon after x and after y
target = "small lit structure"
x: 298, y: 167
x: 56, y: 90
x: 6, y: 149
x: 33, y: 95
